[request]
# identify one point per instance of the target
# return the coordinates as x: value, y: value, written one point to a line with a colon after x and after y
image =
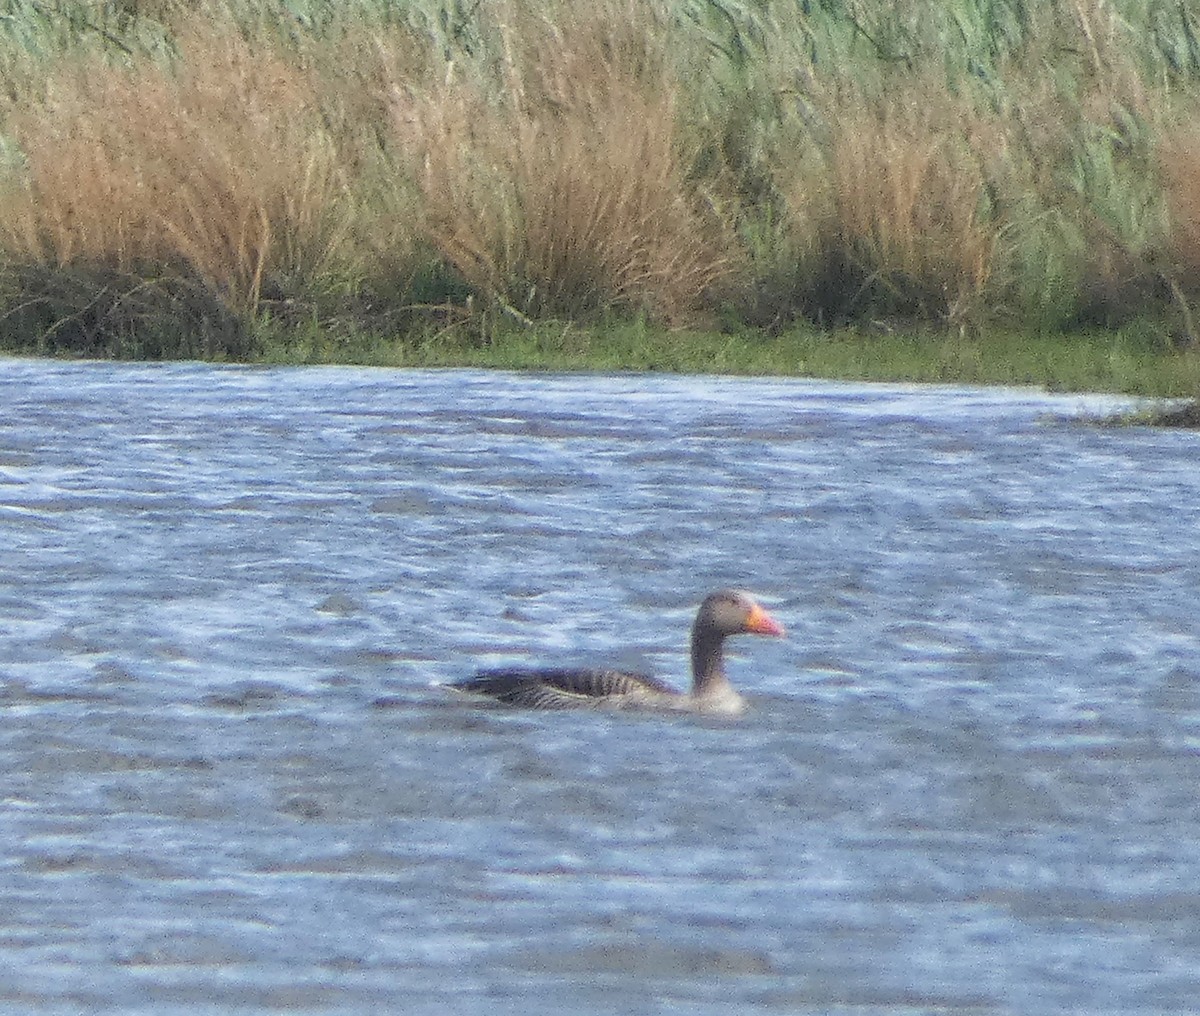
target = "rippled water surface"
x: 968, y: 781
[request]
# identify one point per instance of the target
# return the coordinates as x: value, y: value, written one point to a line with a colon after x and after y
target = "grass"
x: 216, y: 173
x: 1130, y: 361
x: 691, y: 184
x: 562, y: 191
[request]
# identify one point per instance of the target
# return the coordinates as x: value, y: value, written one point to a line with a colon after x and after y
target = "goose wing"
x: 562, y: 688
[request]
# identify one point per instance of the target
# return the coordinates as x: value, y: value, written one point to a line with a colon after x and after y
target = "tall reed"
x: 1180, y: 158
x: 212, y: 178
x: 912, y: 231
x: 221, y: 163
x: 559, y: 189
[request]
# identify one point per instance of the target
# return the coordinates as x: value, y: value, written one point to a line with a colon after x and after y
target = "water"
x: 231, y: 783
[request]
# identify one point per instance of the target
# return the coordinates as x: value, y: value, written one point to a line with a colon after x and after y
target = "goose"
x: 723, y: 613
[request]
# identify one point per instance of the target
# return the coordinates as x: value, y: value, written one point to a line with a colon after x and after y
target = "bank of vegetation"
x: 422, y: 181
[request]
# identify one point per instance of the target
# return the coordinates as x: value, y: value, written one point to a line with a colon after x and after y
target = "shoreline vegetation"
x: 965, y: 190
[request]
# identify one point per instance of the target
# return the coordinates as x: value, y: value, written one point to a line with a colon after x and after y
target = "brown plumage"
x: 722, y: 614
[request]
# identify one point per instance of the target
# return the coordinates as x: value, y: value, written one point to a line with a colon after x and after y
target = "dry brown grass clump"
x: 1180, y: 160
x: 911, y: 229
x: 562, y: 192
x: 218, y: 173
x: 1180, y: 167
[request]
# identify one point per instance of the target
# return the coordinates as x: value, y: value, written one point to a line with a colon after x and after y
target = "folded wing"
x: 561, y: 687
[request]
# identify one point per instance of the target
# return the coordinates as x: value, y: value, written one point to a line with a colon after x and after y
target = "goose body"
x: 722, y: 614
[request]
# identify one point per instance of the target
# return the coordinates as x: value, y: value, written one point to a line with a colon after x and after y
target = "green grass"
x: 1130, y: 362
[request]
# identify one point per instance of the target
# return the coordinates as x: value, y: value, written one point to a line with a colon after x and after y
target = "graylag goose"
x: 722, y: 614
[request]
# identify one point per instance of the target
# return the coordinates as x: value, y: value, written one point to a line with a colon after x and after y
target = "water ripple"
x: 228, y: 597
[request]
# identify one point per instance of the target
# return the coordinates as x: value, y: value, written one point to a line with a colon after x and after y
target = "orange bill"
x: 762, y: 623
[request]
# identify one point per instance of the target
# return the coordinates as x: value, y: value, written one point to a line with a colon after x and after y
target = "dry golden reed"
x: 1179, y: 159
x: 562, y: 192
x: 366, y: 162
x: 219, y: 170
x: 1180, y: 167
x: 909, y: 217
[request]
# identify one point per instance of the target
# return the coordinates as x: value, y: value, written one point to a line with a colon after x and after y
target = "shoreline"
x: 1118, y: 362
x: 1122, y: 362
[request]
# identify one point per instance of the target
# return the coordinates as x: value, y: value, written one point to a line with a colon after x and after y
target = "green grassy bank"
x: 1128, y: 361
x: 746, y: 185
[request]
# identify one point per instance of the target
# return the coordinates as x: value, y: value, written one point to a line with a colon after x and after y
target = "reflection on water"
x: 232, y: 783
